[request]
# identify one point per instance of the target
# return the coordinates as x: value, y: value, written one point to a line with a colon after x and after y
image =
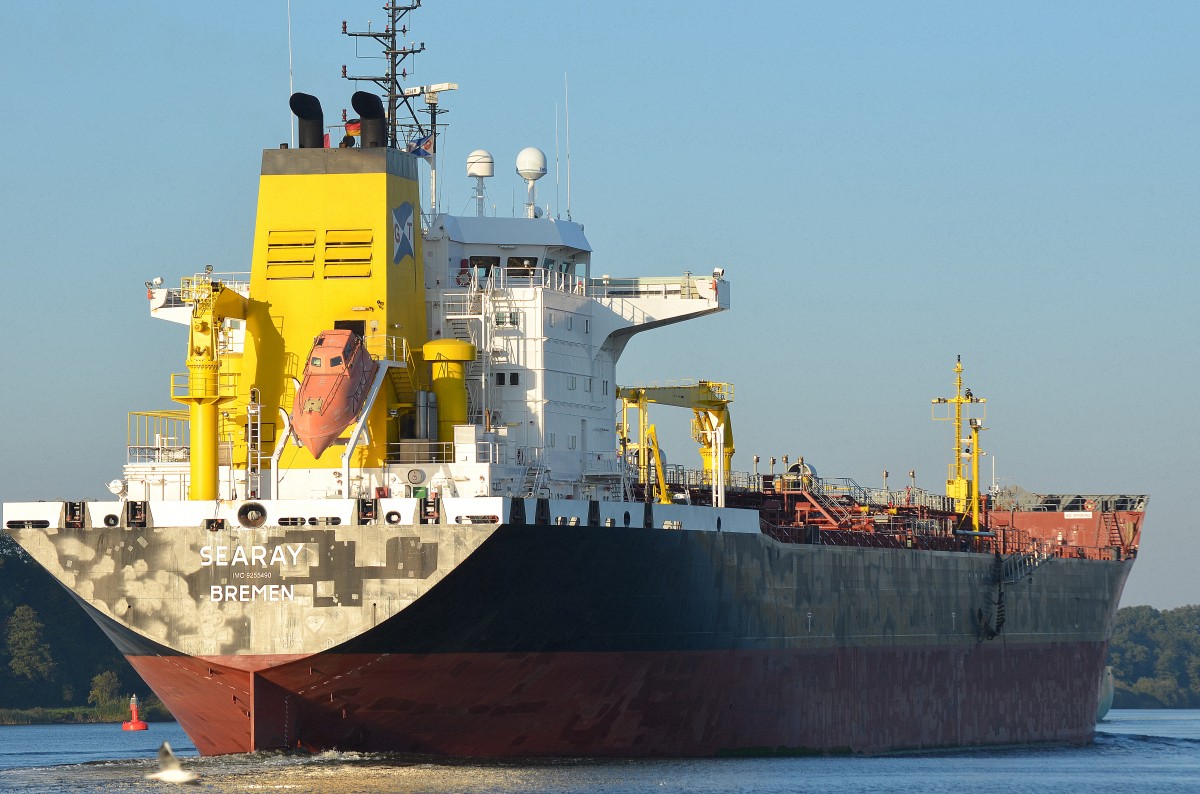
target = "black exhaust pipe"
x: 373, y: 129
x: 312, y: 122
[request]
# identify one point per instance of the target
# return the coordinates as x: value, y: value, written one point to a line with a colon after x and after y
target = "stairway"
x: 1116, y: 538
x: 1017, y: 566
x: 535, y: 475
x: 835, y: 512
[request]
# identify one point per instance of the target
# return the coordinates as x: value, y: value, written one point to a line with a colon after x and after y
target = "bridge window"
x: 483, y: 264
x: 522, y: 265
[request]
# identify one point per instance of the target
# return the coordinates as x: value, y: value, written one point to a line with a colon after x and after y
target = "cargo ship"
x: 405, y: 506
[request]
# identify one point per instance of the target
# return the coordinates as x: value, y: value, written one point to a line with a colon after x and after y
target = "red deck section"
x: 641, y: 704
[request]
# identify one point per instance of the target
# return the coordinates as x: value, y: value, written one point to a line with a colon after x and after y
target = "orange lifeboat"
x: 336, y: 382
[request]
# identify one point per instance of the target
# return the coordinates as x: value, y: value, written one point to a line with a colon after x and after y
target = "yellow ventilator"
x: 447, y: 359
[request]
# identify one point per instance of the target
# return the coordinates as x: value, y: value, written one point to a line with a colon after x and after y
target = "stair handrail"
x: 816, y: 489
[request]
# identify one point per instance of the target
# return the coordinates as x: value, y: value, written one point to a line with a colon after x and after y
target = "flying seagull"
x: 169, y: 770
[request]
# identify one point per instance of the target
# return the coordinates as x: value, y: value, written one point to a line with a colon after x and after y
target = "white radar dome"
x: 531, y: 163
x: 480, y: 164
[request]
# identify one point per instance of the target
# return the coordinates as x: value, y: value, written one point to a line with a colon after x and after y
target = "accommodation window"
x: 604, y: 386
x: 571, y: 382
x: 587, y: 386
x: 499, y: 378
x: 522, y: 265
x: 571, y: 442
x: 514, y: 378
x: 551, y: 440
x: 587, y: 325
x: 570, y: 322
x: 551, y: 318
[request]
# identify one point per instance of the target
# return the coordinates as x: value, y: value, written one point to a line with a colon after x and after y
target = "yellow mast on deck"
x: 964, y: 492
x: 212, y: 303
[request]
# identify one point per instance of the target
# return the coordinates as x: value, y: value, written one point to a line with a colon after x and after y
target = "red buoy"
x: 133, y: 723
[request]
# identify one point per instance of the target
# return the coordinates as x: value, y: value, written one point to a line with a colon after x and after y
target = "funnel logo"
x: 402, y: 232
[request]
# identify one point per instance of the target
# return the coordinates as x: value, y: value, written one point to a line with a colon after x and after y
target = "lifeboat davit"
x: 336, y: 382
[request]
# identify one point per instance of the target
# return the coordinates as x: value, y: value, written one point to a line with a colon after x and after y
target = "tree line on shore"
x: 56, y: 664
x: 1155, y: 656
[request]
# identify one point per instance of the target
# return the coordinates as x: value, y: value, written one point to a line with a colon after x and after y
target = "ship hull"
x: 692, y: 703
x: 590, y: 641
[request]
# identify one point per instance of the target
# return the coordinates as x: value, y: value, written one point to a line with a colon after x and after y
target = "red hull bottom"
x: 696, y: 703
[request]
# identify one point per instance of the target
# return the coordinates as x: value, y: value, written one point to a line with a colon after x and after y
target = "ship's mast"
x: 958, y: 487
x: 395, y: 53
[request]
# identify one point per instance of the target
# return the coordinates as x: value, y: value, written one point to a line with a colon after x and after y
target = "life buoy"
x: 1089, y: 505
x: 463, y: 278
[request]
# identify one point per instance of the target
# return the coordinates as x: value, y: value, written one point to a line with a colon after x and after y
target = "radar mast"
x: 419, y: 141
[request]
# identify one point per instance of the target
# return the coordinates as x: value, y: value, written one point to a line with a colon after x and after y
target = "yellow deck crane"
x: 711, y: 426
x: 206, y: 387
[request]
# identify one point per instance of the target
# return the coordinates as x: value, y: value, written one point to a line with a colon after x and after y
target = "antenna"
x: 557, y: 201
x: 481, y: 166
x: 567, y: 101
x: 531, y: 166
x: 291, y: 81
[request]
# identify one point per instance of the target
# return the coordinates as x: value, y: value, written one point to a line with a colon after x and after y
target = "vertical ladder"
x: 253, y: 446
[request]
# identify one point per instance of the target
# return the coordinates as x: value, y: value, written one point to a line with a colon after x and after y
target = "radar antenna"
x: 430, y: 92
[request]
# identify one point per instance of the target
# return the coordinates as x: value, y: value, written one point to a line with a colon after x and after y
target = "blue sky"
x: 887, y: 185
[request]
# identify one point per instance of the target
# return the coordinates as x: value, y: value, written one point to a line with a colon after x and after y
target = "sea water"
x: 1146, y: 751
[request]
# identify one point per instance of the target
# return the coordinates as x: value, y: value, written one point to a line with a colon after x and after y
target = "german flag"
x: 353, y: 127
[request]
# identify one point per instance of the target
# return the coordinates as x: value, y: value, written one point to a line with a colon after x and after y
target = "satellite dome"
x: 480, y: 164
x: 531, y: 163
